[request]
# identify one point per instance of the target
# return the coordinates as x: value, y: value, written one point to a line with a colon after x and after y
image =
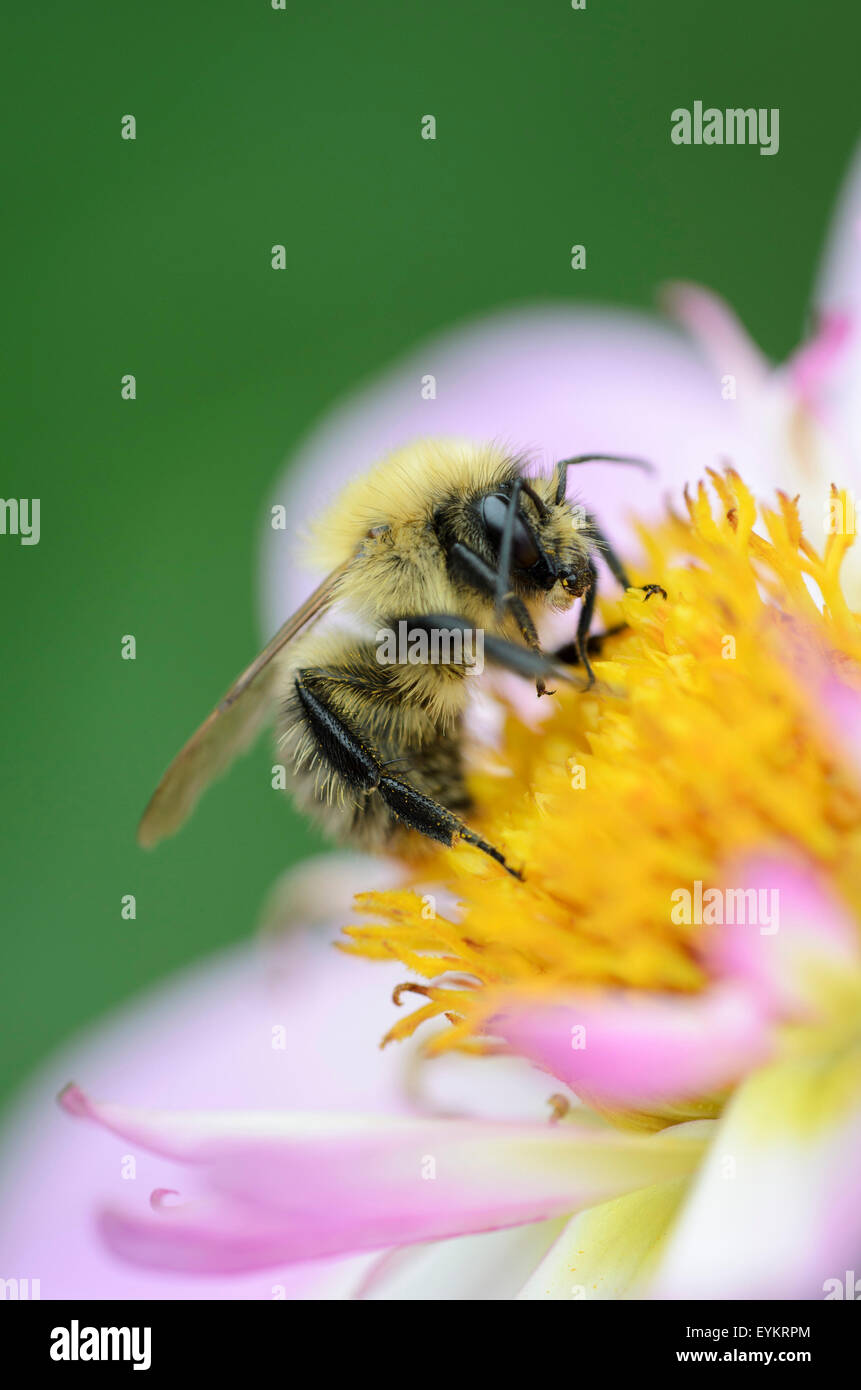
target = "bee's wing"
x: 231, y: 727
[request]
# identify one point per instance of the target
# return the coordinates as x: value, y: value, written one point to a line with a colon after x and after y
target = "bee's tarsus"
x: 649, y: 589
x: 471, y: 838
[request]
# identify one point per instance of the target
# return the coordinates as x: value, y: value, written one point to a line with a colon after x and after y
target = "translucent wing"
x: 232, y: 726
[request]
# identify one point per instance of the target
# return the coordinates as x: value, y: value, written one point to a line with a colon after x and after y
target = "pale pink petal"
x: 204, y: 1038
x: 637, y: 1049
x: 838, y: 298
x: 719, y: 332
x: 838, y: 286
x: 323, y: 1185
x: 785, y: 414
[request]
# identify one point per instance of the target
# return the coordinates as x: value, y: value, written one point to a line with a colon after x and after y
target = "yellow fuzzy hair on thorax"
x: 404, y: 488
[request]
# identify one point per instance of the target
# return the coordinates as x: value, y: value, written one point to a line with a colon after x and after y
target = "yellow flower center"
x: 702, y: 741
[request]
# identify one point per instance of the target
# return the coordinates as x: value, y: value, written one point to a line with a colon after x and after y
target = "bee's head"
x: 547, y: 554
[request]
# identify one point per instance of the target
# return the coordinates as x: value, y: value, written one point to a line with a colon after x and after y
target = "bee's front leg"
x: 526, y: 627
x: 570, y: 652
x: 482, y: 576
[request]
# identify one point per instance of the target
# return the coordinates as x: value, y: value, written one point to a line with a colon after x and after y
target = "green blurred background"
x: 255, y: 127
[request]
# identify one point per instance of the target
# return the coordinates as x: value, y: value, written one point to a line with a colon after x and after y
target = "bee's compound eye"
x: 524, y: 551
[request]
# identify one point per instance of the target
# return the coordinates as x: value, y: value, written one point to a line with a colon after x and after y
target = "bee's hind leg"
x: 359, y: 765
x: 430, y: 818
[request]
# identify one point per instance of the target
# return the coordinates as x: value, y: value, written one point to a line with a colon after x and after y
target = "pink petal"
x: 631, y: 1049
x: 814, y: 934
x: 840, y: 707
x: 820, y: 357
x: 223, y: 1239
x: 288, y: 1188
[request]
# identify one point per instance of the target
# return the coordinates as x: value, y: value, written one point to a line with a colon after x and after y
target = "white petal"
x: 775, y: 1210
x: 608, y: 1251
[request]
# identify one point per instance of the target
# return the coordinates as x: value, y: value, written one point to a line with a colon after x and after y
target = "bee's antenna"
x: 564, y: 464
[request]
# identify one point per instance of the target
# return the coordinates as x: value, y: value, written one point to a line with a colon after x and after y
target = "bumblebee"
x: 439, y: 537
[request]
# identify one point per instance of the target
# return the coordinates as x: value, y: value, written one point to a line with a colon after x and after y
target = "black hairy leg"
x: 482, y: 576
x: 569, y: 654
x: 584, y: 622
x: 564, y: 464
x: 615, y: 565
x: 506, y: 541
x: 523, y: 661
x: 577, y: 652
x: 357, y: 762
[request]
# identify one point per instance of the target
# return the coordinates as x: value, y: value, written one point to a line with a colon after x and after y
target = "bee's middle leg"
x: 570, y: 652
x: 523, y: 661
x: 577, y: 652
x: 358, y: 763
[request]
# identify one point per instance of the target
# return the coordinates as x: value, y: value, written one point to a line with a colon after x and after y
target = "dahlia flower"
x: 713, y: 1057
